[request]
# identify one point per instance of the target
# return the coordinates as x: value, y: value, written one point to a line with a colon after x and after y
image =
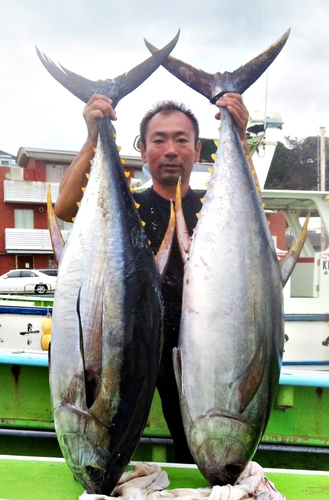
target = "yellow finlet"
x: 119, y: 148
x: 143, y: 223
x: 214, y: 156
x: 210, y: 170
x: 87, y: 175
x: 83, y: 189
x: 137, y: 205
x: 73, y: 219
x: 78, y: 203
x: 206, y: 185
x: 202, y: 200
x: 127, y: 174
x: 198, y: 215
x: 248, y: 157
x: 263, y: 205
x: 123, y: 161
x: 94, y: 150
x: 132, y: 189
x: 216, y: 142
x: 114, y: 135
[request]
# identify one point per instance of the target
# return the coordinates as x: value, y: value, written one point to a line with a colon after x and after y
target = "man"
x: 170, y: 146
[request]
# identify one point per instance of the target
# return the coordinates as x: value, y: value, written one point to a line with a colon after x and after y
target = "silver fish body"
x: 231, y: 339
x: 106, y: 337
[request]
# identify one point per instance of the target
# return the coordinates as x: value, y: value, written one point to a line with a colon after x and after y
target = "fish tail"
x: 214, y: 85
x: 115, y: 88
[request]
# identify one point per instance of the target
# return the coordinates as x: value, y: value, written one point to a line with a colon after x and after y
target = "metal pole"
x: 324, y: 239
x: 322, y: 160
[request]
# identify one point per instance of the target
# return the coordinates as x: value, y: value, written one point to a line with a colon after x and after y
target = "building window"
x: 54, y: 173
x: 24, y: 218
x: 5, y: 163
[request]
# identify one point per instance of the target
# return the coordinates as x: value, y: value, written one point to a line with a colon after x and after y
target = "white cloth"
x: 147, y: 482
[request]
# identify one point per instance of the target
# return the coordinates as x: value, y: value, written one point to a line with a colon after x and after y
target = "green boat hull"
x: 296, y: 437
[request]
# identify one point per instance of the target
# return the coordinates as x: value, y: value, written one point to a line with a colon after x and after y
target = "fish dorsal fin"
x: 183, y: 237
x: 287, y: 264
x: 162, y: 256
x: 56, y: 237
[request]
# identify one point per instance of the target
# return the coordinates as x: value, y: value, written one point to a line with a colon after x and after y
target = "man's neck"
x: 169, y: 192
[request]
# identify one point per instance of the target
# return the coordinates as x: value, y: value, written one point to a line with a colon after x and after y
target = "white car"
x: 27, y: 281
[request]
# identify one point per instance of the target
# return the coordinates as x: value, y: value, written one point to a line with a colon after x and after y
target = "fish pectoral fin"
x: 184, y: 239
x: 57, y: 240
x: 177, y: 363
x: 92, y: 385
x: 287, y: 264
x: 162, y: 256
x: 253, y: 376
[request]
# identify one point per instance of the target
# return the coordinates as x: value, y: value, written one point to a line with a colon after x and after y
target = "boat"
x: 297, y: 434
x: 21, y: 323
x: 296, y: 437
x: 306, y: 294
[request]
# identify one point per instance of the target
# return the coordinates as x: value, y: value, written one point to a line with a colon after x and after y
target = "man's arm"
x: 75, y: 179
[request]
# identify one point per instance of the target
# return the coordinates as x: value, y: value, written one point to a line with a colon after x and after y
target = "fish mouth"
x: 220, y: 414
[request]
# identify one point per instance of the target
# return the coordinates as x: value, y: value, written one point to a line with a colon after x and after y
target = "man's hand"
x: 235, y: 105
x: 98, y: 106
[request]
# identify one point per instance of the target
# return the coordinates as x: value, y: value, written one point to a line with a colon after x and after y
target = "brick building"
x: 24, y: 237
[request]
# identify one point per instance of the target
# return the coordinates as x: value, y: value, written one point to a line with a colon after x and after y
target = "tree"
x: 296, y: 165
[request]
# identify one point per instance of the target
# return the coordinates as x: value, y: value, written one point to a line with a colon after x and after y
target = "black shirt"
x: 155, y: 211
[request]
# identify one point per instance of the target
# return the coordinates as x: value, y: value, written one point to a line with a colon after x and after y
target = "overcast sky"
x: 101, y: 39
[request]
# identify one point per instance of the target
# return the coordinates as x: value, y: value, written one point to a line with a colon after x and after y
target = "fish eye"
x: 95, y: 473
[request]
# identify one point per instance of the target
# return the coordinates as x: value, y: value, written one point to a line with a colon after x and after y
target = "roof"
x: 60, y: 156
x: 48, y: 155
x: 7, y: 155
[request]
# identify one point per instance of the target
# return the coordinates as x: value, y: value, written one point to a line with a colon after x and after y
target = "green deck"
x: 52, y: 480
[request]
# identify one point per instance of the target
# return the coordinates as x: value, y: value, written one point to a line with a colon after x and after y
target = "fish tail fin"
x: 115, y: 88
x: 57, y: 240
x: 214, y: 85
x: 287, y: 264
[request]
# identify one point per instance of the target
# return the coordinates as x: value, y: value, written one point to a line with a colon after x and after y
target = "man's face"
x: 170, y: 150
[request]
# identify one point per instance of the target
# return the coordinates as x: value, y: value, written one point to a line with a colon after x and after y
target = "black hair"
x: 167, y: 107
